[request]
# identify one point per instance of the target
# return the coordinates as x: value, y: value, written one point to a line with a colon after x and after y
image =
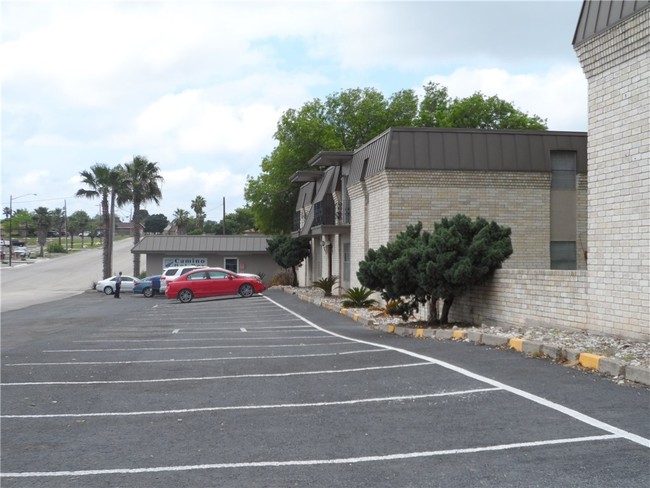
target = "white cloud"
x: 200, y: 86
x: 558, y: 95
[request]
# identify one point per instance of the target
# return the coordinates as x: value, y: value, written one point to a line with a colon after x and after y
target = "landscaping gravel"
x: 631, y: 352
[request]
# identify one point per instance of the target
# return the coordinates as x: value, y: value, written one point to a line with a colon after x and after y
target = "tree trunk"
x: 446, y: 305
x: 136, y: 236
x: 106, y: 221
x: 108, y: 236
x: 295, y: 276
x: 433, y: 311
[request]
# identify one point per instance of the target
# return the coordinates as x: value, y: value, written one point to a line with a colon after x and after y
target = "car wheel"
x: 108, y: 290
x: 246, y: 290
x: 148, y: 292
x: 185, y: 296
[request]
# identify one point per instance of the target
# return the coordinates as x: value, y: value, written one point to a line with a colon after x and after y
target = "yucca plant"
x: 358, y: 297
x: 326, y: 284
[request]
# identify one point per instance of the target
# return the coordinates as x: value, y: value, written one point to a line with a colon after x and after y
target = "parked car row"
x: 186, y: 283
x: 14, y: 243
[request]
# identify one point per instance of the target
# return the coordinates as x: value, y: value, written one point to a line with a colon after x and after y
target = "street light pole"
x: 11, y: 217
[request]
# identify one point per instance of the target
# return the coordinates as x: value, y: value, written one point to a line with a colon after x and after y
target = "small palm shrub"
x: 358, y: 297
x: 326, y: 284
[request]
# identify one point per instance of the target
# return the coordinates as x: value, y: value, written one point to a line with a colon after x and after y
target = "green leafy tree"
x: 21, y: 220
x: 351, y: 118
x: 100, y: 182
x: 237, y: 222
x: 459, y: 254
x: 141, y: 184
x: 434, y: 105
x: 42, y: 217
x: 481, y: 112
x: 289, y: 252
x: 77, y: 222
x: 155, y: 224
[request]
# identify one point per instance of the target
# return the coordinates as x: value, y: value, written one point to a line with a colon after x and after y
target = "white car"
x: 173, y: 272
x: 108, y: 285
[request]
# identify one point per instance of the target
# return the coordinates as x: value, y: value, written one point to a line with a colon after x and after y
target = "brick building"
x: 612, y: 295
x: 532, y: 181
x: 612, y: 41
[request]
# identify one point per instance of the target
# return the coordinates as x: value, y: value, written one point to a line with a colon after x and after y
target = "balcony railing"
x: 325, y: 212
x: 296, y: 222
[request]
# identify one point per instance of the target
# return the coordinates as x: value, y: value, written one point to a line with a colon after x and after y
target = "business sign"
x: 184, y: 261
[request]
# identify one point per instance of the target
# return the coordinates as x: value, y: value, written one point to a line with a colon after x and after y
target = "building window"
x: 563, y: 170
x: 563, y: 255
x: 231, y: 264
x: 346, y: 262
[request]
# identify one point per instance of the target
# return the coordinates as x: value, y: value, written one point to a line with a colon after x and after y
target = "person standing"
x: 118, y: 285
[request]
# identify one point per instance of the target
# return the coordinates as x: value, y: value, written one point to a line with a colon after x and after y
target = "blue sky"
x: 198, y: 86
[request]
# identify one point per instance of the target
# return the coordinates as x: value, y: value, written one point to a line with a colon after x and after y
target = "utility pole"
x: 224, y: 216
x: 65, y: 224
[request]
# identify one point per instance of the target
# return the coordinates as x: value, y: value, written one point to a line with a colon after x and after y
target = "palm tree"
x: 181, y: 219
x: 43, y: 218
x: 119, y: 194
x: 198, y: 204
x: 99, y: 180
x: 140, y: 185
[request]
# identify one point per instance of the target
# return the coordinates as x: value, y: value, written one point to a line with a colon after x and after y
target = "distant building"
x: 126, y: 229
x: 241, y: 253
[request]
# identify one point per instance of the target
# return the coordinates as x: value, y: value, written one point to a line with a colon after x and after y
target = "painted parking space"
x: 268, y: 394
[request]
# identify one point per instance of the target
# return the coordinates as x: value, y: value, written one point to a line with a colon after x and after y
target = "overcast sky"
x: 198, y: 86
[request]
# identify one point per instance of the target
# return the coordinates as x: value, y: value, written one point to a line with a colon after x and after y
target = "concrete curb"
x: 601, y: 364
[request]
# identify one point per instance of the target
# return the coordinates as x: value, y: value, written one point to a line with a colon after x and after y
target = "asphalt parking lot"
x: 271, y: 391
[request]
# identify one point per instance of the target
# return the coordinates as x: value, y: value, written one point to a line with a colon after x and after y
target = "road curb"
x: 594, y: 362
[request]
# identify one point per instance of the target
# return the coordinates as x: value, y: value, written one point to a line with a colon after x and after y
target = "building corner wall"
x: 617, y: 66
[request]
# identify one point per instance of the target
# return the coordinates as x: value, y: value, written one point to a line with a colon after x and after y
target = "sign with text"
x: 184, y: 261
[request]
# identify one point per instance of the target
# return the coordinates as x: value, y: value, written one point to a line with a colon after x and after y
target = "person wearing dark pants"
x: 118, y: 285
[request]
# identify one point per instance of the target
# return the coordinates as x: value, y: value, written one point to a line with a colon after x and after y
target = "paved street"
x: 272, y: 391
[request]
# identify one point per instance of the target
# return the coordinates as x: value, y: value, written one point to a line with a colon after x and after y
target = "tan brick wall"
x: 520, y: 201
x: 358, y: 229
x: 520, y: 298
x: 617, y: 65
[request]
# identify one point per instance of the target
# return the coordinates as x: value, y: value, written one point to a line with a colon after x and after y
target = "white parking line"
x: 311, y: 462
x: 199, y: 347
x: 515, y: 391
x: 228, y: 358
x: 193, y: 339
x: 212, y: 378
x: 357, y: 401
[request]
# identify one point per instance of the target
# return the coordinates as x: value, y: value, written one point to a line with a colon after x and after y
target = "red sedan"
x: 213, y: 282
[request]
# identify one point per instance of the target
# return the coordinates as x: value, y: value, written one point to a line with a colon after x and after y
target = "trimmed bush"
x: 56, y: 248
